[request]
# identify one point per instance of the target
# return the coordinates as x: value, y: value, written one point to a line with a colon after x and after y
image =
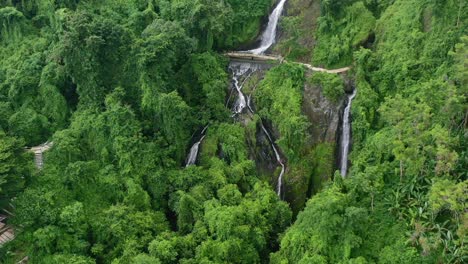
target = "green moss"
x: 306, y: 178
x: 251, y: 84
x: 332, y: 85
x: 298, y: 30
x: 279, y: 99
x: 250, y: 31
x: 339, y: 34
x: 297, y: 180
x: 323, y: 156
x: 209, y: 147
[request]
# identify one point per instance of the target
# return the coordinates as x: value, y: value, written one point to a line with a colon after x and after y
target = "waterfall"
x: 269, y: 35
x: 39, y: 153
x: 241, y: 69
x: 193, y: 154
x: 246, y: 69
x: 346, y: 135
x: 192, y: 157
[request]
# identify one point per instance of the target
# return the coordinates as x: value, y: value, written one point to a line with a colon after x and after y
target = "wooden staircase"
x: 38, y: 153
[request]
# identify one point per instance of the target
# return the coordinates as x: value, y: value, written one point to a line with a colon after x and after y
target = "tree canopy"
x: 125, y: 88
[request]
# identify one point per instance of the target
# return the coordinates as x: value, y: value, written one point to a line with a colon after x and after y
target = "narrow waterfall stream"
x: 239, y: 70
x: 192, y: 157
x: 346, y: 134
x: 278, y: 159
x: 244, y: 70
x: 193, y: 154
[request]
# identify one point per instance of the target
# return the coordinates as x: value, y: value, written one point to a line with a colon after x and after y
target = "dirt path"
x: 266, y: 58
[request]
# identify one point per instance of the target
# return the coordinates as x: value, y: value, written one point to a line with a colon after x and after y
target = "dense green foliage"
x: 120, y: 87
x: 14, y: 167
x: 405, y: 199
x: 279, y: 98
x: 342, y: 26
x: 124, y: 87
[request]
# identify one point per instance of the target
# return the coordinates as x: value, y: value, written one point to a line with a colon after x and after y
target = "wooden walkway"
x: 265, y: 58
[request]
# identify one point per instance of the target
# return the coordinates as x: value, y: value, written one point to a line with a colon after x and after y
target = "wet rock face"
x: 302, y: 179
x: 323, y: 114
x: 263, y: 154
x: 325, y: 117
x: 260, y: 149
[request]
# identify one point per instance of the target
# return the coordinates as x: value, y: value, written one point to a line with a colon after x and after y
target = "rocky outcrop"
x: 325, y: 117
x: 321, y: 156
x: 323, y: 114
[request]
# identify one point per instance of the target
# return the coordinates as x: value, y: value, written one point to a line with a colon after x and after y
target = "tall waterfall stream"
x: 192, y: 156
x: 346, y: 134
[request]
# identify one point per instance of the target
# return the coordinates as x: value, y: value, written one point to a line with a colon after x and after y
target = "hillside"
x: 341, y: 136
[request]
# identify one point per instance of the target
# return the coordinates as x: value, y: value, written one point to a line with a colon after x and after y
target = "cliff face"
x: 320, y: 157
x: 325, y: 117
x: 260, y: 149
x: 323, y: 114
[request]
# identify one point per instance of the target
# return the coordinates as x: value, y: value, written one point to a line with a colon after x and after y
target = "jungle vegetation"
x: 121, y: 87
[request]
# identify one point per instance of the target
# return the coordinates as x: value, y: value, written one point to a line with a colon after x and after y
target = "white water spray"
x: 193, y: 154
x: 269, y: 35
x: 238, y: 70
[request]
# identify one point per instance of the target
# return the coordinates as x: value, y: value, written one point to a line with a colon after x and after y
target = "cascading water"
x: 192, y: 157
x: 269, y: 35
x: 346, y: 135
x: 246, y: 69
x: 240, y: 69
